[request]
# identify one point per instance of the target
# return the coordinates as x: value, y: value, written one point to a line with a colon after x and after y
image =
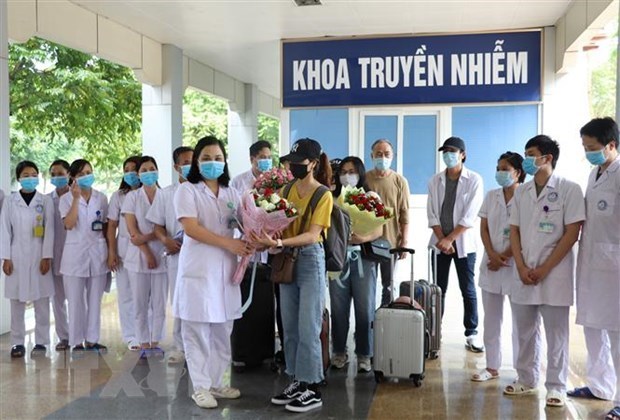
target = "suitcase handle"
x: 402, y: 249
x: 432, y: 264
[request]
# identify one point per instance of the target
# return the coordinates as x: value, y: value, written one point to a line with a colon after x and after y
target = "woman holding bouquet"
x: 205, y: 299
x: 359, y: 285
x: 303, y: 300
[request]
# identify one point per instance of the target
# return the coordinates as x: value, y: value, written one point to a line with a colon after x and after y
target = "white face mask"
x: 349, y: 180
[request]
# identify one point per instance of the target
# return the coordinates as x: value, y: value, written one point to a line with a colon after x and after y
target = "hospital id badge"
x: 546, y: 227
x: 97, y: 226
x: 507, y: 233
x: 38, y: 231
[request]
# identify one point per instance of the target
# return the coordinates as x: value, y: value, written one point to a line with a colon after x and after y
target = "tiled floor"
x: 119, y: 385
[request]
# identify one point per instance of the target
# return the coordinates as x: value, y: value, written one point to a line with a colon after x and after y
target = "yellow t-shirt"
x: 321, y: 215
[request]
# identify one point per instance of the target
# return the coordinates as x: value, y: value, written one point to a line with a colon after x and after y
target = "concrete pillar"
x: 5, y: 160
x: 242, y: 131
x: 162, y: 114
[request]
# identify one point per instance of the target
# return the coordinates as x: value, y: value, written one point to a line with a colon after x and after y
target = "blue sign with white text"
x: 495, y: 67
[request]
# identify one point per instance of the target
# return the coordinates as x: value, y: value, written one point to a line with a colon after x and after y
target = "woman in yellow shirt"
x: 303, y: 300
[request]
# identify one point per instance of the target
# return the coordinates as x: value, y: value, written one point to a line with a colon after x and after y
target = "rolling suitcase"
x: 428, y: 295
x: 399, y: 339
x: 253, y: 336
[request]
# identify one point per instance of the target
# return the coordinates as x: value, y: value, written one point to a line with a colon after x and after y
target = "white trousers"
x: 150, y: 291
x: 126, y: 307
x: 493, y: 304
x: 42, y: 321
x: 555, y: 319
x: 60, y: 309
x: 603, y: 367
x: 173, y: 269
x: 207, y: 351
x: 84, y: 299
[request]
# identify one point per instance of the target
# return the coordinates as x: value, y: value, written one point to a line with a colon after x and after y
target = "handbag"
x: 377, y: 250
x: 283, y: 266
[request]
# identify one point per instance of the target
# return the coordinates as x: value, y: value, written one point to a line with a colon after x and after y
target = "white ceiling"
x: 241, y: 37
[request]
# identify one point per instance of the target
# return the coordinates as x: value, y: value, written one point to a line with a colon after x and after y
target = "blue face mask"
x: 29, y: 184
x: 597, y: 157
x: 185, y: 170
x: 149, y: 178
x: 451, y: 159
x: 264, y: 164
x: 131, y: 178
x: 529, y: 165
x: 382, y: 163
x: 59, y: 181
x: 504, y: 178
x: 212, y: 169
x: 86, y: 182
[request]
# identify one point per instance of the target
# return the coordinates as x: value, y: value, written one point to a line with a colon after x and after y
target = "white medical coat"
x: 60, y: 233
x: 204, y: 292
x: 114, y: 213
x: 19, y: 245
x: 559, y: 203
x: 598, y: 264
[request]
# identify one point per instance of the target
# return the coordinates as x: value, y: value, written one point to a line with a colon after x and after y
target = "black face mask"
x: 299, y: 170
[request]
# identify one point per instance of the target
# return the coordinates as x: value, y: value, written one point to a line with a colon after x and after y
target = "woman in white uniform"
x: 205, y: 299
x: 27, y: 249
x: 147, y: 273
x: 59, y: 172
x: 117, y: 250
x: 497, y: 270
x: 84, y: 259
x: 598, y: 266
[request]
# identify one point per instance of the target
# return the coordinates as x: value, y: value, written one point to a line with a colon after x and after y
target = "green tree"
x: 75, y: 101
x: 269, y: 130
x: 603, y: 86
x: 203, y: 115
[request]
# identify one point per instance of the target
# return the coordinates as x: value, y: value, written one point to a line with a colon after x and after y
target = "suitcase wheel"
x: 433, y: 354
x: 417, y: 380
x: 379, y: 376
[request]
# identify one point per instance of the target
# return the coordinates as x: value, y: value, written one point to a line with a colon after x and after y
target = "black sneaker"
x: 308, y: 400
x: 292, y: 391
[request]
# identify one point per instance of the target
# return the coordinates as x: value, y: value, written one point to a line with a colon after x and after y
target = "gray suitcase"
x: 399, y: 339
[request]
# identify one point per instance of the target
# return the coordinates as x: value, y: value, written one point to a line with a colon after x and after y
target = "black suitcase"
x: 428, y: 295
x: 253, y: 335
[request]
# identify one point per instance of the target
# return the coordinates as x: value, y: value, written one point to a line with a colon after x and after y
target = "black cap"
x: 453, y: 142
x: 304, y: 149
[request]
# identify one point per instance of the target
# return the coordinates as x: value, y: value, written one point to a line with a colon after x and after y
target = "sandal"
x: 613, y: 414
x: 79, y: 347
x: 37, y: 350
x: 133, y: 345
x: 519, y: 389
x: 62, y: 345
x: 483, y: 376
x: 583, y: 392
x: 18, y: 351
x: 97, y: 347
x: 555, y: 399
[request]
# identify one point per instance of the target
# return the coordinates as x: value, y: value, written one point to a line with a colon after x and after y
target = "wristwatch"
x: 279, y: 244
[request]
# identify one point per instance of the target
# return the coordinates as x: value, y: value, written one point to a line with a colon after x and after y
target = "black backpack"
x: 337, y: 239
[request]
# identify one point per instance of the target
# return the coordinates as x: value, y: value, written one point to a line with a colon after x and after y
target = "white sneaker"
x: 340, y: 360
x: 474, y: 344
x: 363, y: 364
x: 204, y: 399
x: 226, y: 392
x: 176, y: 356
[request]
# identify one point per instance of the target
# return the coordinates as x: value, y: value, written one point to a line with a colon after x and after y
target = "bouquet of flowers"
x: 263, y: 210
x: 366, y: 209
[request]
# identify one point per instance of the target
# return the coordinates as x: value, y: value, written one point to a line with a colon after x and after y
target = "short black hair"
x: 178, y: 152
x: 23, y: 165
x: 516, y: 161
x: 60, y: 162
x: 145, y: 159
x: 194, y: 175
x: 76, y: 167
x: 255, y: 148
x: 546, y: 145
x: 361, y: 171
x: 604, y: 130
